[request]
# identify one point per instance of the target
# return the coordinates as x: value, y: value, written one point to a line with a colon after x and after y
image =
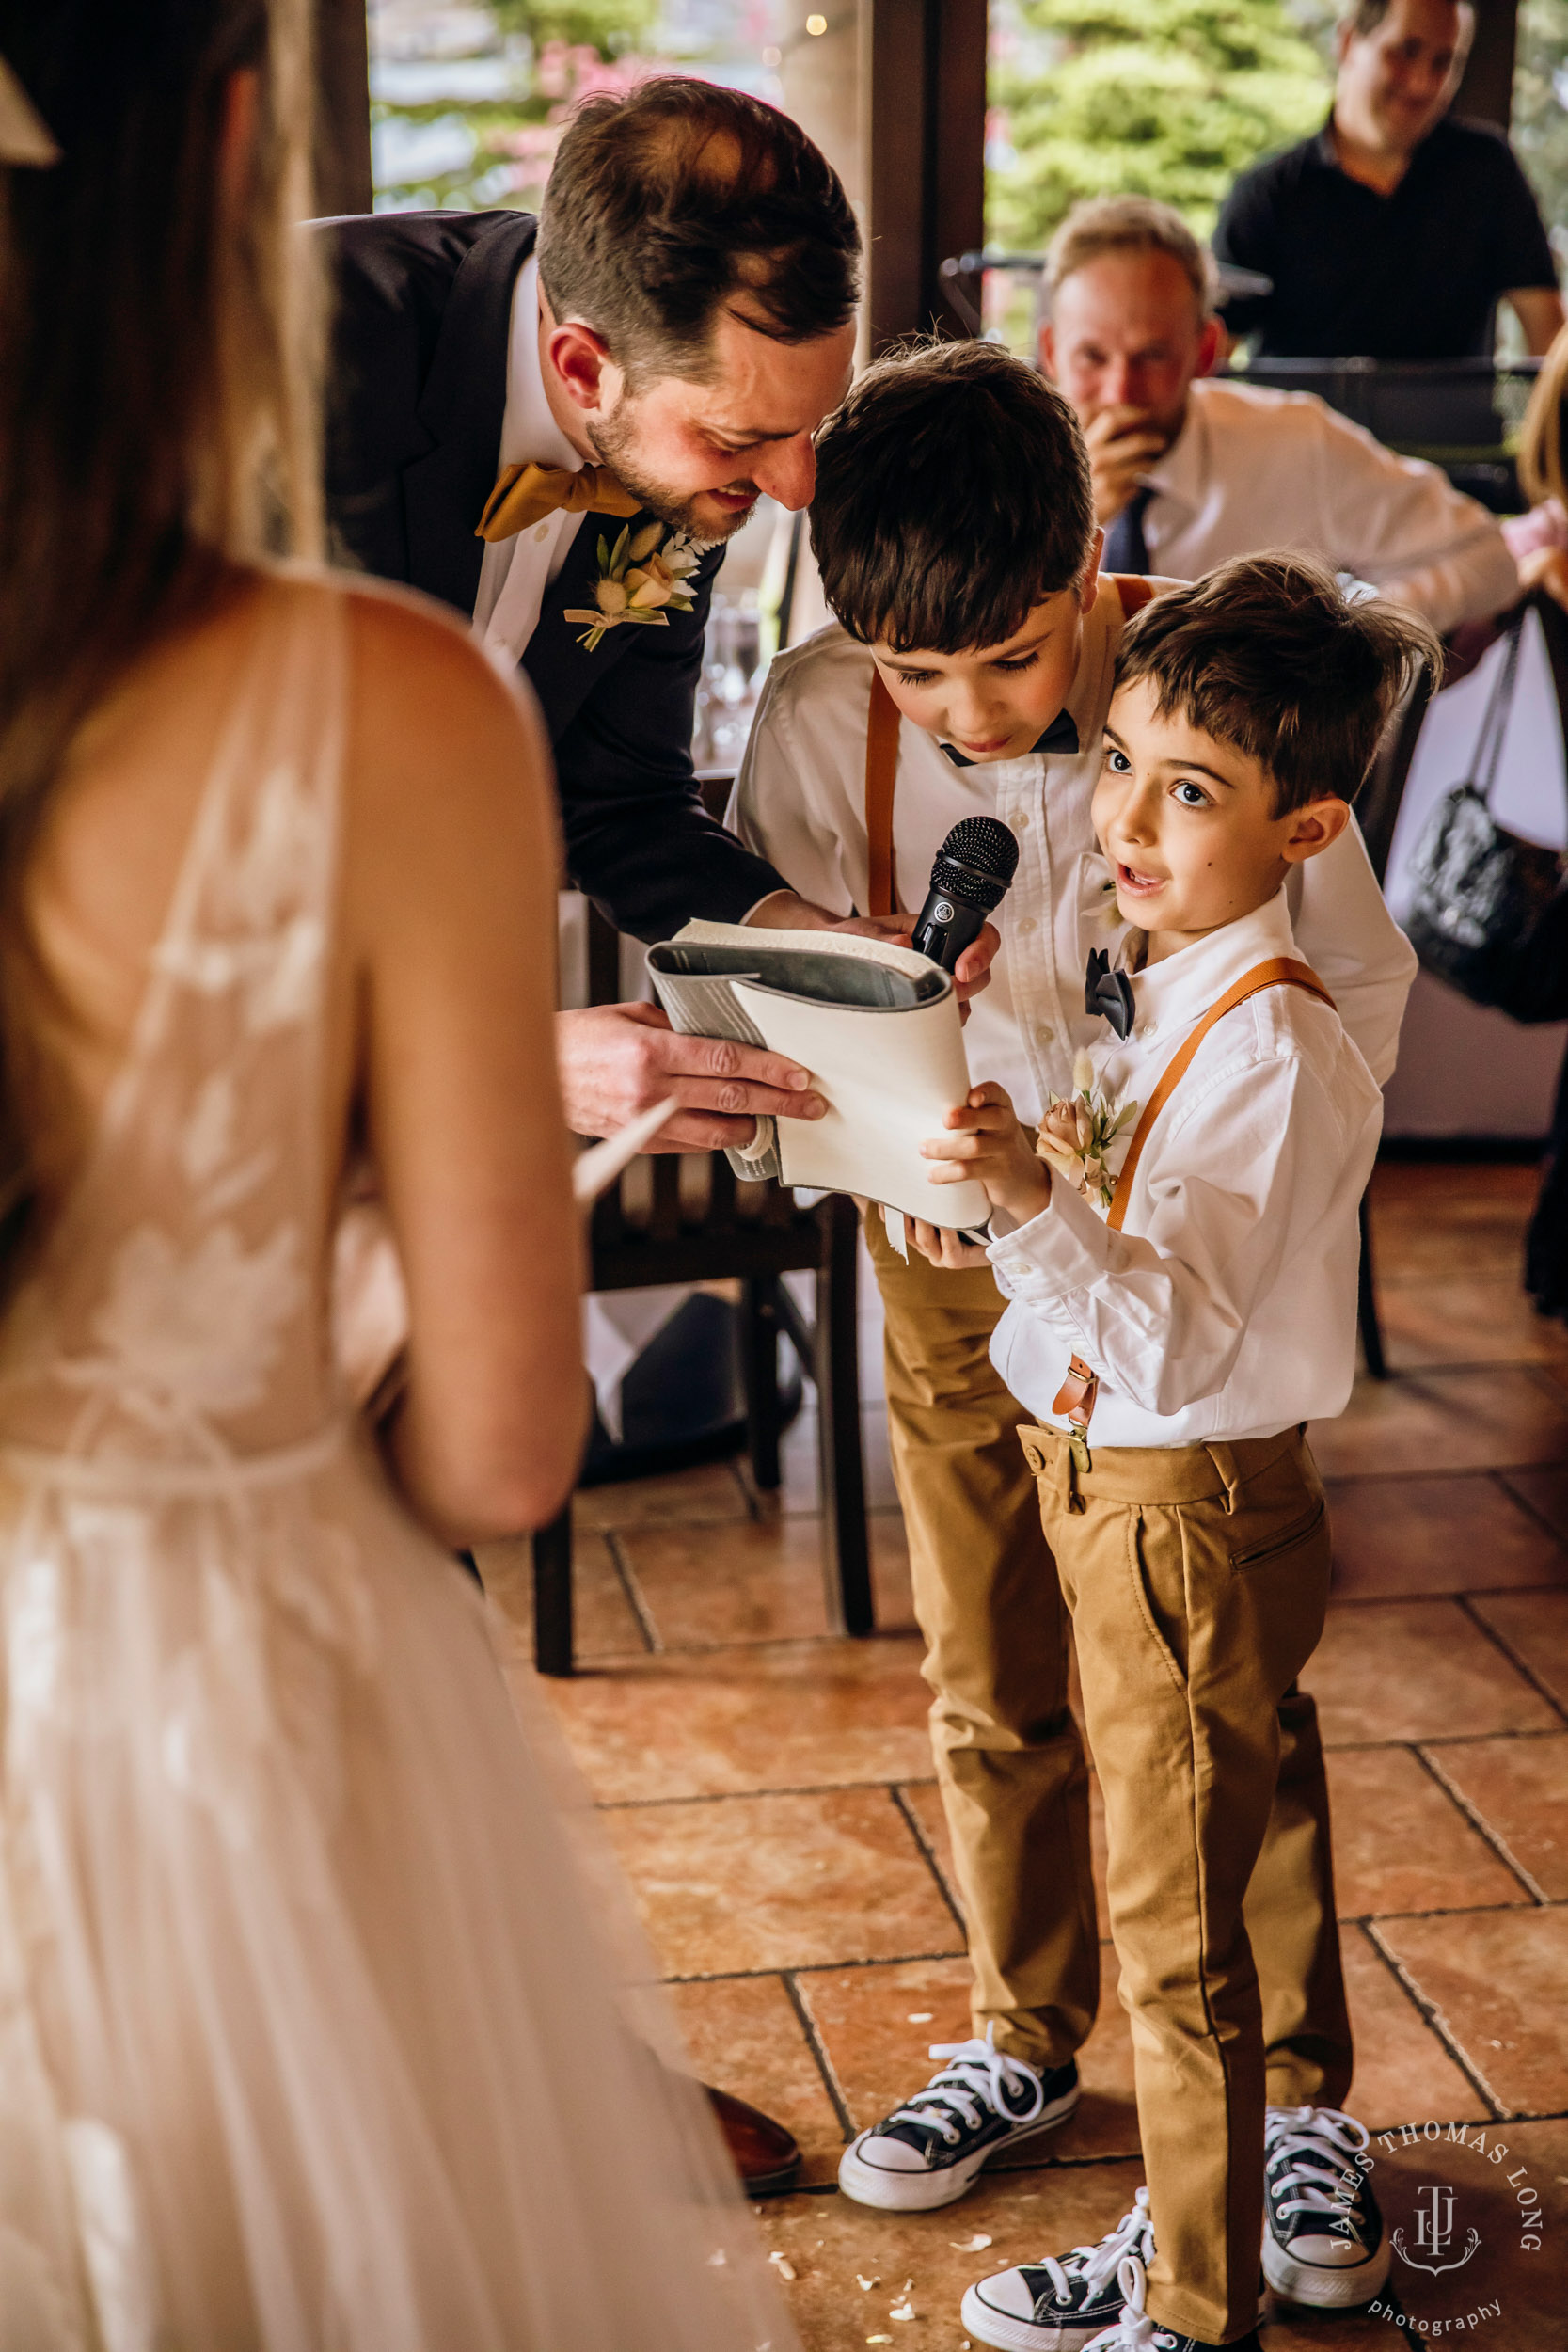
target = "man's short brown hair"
x: 952, y: 498
x: 1266, y: 655
x: 1128, y: 224
x: 683, y: 198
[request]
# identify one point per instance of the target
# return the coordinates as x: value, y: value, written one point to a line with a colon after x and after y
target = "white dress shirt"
x: 800, y: 801
x: 1225, y: 1306
x: 1254, y: 469
x: 517, y: 571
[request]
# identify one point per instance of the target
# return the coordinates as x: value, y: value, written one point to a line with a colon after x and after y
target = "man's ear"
x: 1211, y: 337
x: 1048, y: 349
x: 581, y: 365
x: 1314, y: 828
x: 1344, y: 33
x: 1089, y: 587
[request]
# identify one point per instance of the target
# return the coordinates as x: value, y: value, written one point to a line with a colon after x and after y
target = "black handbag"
x: 1489, y: 912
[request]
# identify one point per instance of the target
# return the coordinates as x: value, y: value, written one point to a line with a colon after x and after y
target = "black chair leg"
x: 552, y: 1596
x: 760, y: 1341
x: 1371, y: 1331
x: 846, y: 1556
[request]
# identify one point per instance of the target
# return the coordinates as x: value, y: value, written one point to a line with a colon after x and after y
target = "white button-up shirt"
x: 517, y: 571
x: 1225, y: 1306
x: 1254, y: 468
x: 800, y: 801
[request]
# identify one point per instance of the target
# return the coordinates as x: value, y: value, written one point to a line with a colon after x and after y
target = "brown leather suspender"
x: 1075, y: 1399
x: 881, y: 764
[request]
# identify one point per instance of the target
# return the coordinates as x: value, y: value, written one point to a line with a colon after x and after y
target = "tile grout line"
x: 929, y: 1850
x: 635, y: 1600
x: 1435, y: 2018
x: 1479, y: 1821
x: 814, y: 1968
x: 1521, y: 1665
x: 732, y: 1796
x: 818, y: 2049
x: 1530, y: 1509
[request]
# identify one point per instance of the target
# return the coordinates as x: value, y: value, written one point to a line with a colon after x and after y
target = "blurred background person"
x: 1395, y: 231
x: 1190, y: 470
x: 308, y: 2037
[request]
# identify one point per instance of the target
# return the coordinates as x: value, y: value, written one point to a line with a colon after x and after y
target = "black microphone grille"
x: 984, y: 845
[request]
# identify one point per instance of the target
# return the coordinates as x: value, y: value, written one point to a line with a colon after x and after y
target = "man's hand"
x: 615, y: 1059
x: 786, y: 912
x: 1122, y: 444
x: 945, y: 1245
x: 985, y: 1141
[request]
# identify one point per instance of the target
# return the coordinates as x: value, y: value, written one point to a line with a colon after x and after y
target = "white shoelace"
x: 1094, y: 2265
x: 972, y: 2082
x: 1134, y: 2331
x: 1328, y: 2144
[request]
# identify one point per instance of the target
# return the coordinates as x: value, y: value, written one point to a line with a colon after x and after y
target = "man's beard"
x: 613, y: 441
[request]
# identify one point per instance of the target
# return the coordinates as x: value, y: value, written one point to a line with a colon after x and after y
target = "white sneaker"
x: 927, y: 2153
x: 1323, y: 2234
x: 1059, y: 2305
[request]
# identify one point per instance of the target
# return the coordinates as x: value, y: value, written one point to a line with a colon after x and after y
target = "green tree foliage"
x: 1164, y: 98
x: 1540, y: 120
x: 614, y: 28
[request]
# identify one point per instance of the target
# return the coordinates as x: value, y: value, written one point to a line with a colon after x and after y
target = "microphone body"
x: 970, y: 879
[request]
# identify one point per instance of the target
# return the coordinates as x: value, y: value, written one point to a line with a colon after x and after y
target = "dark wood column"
x: 343, y: 108
x: 928, y: 126
x: 1486, y: 92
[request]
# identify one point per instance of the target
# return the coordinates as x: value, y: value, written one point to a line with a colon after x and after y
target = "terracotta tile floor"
x: 770, y: 1792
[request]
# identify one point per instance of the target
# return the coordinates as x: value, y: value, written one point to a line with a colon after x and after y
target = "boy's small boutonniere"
x: 1077, y: 1132
x: 641, y: 578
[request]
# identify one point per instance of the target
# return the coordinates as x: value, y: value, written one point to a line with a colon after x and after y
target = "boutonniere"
x: 641, y: 578
x: 1077, y: 1132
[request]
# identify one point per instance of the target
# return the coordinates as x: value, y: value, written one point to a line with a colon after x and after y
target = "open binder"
x: 876, y: 1025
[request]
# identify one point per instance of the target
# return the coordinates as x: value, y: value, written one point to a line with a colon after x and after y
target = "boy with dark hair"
x: 1172, y: 1352
x: 971, y: 675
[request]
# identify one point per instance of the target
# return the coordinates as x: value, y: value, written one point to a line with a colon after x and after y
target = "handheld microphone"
x: 970, y: 879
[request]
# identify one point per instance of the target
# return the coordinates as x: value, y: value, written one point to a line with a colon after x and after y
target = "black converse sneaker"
x: 1323, y: 2234
x: 1059, y: 2306
x: 1131, y: 2330
x: 928, y: 2153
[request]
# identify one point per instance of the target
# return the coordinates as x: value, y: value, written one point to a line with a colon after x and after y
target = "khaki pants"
x: 1007, y: 1753
x: 1197, y: 1577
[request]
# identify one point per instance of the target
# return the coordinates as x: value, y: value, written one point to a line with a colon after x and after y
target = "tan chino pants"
x: 1008, y: 1758
x: 1197, y: 1577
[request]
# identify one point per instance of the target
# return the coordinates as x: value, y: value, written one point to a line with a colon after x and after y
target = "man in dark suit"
x: 606, y: 391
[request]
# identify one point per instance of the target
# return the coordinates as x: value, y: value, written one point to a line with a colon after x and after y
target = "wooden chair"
x: 658, y: 1225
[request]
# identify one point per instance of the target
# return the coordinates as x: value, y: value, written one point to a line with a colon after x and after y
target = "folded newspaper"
x: 876, y: 1025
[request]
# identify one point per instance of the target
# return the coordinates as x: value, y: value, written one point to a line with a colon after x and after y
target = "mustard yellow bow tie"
x: 526, y: 494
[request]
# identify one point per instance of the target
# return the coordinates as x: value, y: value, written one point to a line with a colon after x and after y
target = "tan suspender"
x: 881, y: 764
x: 1075, y: 1399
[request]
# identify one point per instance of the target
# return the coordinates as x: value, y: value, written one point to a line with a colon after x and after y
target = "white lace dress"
x: 306, y: 2040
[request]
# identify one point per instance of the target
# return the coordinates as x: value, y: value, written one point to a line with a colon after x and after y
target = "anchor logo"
x: 1434, y: 2234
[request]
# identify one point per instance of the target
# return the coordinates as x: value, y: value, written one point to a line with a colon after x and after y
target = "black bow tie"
x: 1108, y: 992
x: 1060, y: 736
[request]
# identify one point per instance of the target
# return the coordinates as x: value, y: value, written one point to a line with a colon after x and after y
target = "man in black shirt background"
x: 1394, y: 232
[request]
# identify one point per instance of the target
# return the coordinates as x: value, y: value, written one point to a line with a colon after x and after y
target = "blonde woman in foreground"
x: 307, y: 2043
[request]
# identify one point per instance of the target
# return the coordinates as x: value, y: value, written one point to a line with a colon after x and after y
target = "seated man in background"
x: 1191, y: 470
x: 1394, y: 232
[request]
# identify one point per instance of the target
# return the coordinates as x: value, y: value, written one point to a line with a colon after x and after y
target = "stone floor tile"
x: 1414, y: 1669
x: 710, y: 1493
x: 1400, y: 1843
x: 1398, y: 1537
x: 1438, y: 1222
x: 1403, y: 2068
x: 1545, y: 1490
x: 1534, y: 1625
x: 744, y: 1884
x: 745, y: 2036
x: 719, y: 1722
x: 831, y: 2242
x: 1496, y: 1980
x: 605, y: 1622
x: 1465, y: 1321
x: 800, y: 1490
x: 706, y: 1585
x: 1445, y: 1421
x: 1520, y: 1789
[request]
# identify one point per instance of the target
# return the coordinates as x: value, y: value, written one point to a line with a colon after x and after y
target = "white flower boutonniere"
x: 641, y: 578
x: 1077, y: 1132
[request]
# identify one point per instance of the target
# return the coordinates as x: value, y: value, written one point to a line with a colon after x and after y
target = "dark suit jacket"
x: 423, y: 309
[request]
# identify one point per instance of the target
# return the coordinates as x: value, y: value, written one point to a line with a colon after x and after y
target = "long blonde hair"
x: 159, y: 392
x: 1541, y: 434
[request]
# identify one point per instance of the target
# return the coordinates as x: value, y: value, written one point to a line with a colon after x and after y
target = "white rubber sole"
x: 925, y: 2192
x: 987, y: 2326
x: 1318, y: 2285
